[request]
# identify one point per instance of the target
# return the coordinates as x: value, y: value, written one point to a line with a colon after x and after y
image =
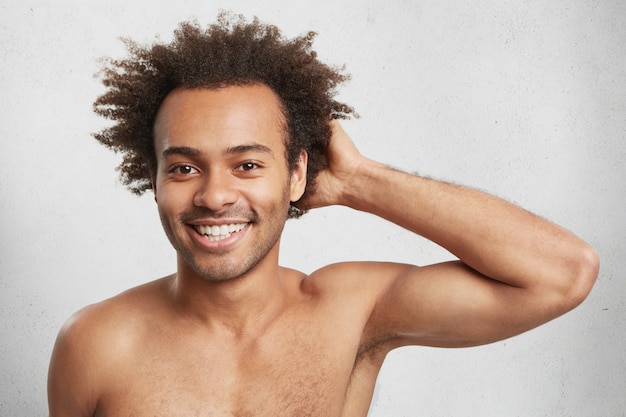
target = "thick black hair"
x: 228, y: 52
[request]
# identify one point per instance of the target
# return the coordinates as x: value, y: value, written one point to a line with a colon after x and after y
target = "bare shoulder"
x: 109, y: 319
x: 372, y: 288
x: 92, y: 342
x: 358, y: 286
x: 362, y: 278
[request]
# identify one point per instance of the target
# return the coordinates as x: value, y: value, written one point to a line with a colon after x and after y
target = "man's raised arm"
x: 516, y: 270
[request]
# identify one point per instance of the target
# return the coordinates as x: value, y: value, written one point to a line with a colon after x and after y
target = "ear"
x: 298, y: 177
x: 154, y: 190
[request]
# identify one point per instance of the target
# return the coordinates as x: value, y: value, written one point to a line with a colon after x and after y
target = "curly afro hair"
x: 228, y: 52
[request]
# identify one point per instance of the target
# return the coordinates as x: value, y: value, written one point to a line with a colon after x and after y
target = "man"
x: 234, y: 129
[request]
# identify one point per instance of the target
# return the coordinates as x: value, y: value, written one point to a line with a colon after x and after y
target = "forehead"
x: 208, y: 119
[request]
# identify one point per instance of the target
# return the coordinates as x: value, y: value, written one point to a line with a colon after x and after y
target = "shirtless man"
x: 232, y: 333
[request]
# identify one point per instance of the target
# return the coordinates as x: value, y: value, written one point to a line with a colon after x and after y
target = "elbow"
x: 582, y: 273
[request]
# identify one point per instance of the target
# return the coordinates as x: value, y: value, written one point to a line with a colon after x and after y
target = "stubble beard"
x: 221, y: 267
x: 226, y: 267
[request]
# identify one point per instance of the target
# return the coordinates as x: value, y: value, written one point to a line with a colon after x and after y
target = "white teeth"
x: 215, y: 233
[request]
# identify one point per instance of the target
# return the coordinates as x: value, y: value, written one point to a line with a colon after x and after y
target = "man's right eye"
x: 183, y: 170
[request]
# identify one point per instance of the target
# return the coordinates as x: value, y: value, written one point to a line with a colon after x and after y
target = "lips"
x: 216, y: 233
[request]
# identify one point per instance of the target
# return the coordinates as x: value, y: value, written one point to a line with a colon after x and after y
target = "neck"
x: 240, y: 304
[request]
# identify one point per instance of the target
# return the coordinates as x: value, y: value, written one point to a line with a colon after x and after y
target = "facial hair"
x: 217, y: 267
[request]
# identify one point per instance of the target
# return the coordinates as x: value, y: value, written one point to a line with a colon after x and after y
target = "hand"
x: 344, y: 161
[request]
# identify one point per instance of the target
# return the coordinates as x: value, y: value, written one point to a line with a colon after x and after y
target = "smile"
x: 215, y: 233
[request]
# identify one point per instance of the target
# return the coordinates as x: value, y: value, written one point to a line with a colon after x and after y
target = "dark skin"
x: 232, y: 333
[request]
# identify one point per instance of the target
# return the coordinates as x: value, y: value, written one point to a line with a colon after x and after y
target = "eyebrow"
x: 253, y: 147
x: 180, y: 150
x: 234, y: 150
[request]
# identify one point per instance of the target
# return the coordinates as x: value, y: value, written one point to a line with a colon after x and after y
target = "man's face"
x: 222, y: 184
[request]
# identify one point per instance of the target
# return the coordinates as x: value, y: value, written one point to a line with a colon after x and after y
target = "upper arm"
x: 452, y: 305
x: 72, y: 389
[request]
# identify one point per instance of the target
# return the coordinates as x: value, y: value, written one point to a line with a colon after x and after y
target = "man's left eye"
x: 248, y: 166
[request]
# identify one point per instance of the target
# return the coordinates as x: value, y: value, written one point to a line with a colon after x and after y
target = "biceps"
x: 451, y: 305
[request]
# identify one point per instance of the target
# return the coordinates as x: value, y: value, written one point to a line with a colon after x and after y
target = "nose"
x: 216, y: 192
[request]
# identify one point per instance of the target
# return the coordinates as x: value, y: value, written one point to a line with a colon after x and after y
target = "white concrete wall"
x: 525, y: 99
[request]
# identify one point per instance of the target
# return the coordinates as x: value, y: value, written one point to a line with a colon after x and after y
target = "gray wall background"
x: 524, y: 99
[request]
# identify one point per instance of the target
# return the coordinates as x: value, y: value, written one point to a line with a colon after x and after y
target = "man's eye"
x: 248, y: 166
x: 183, y: 170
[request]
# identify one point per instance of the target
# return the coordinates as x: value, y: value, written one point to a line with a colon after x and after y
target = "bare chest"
x: 286, y: 373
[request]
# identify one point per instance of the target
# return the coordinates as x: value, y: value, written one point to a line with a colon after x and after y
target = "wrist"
x: 360, y: 190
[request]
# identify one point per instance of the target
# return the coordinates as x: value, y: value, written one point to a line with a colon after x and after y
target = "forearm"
x: 498, y: 239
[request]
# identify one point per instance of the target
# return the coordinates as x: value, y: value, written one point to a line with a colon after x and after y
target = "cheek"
x: 274, y: 192
x: 171, y: 198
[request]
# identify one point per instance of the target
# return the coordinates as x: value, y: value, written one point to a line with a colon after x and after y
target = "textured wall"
x: 524, y: 99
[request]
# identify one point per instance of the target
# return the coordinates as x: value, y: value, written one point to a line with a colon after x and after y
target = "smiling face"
x: 222, y: 184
